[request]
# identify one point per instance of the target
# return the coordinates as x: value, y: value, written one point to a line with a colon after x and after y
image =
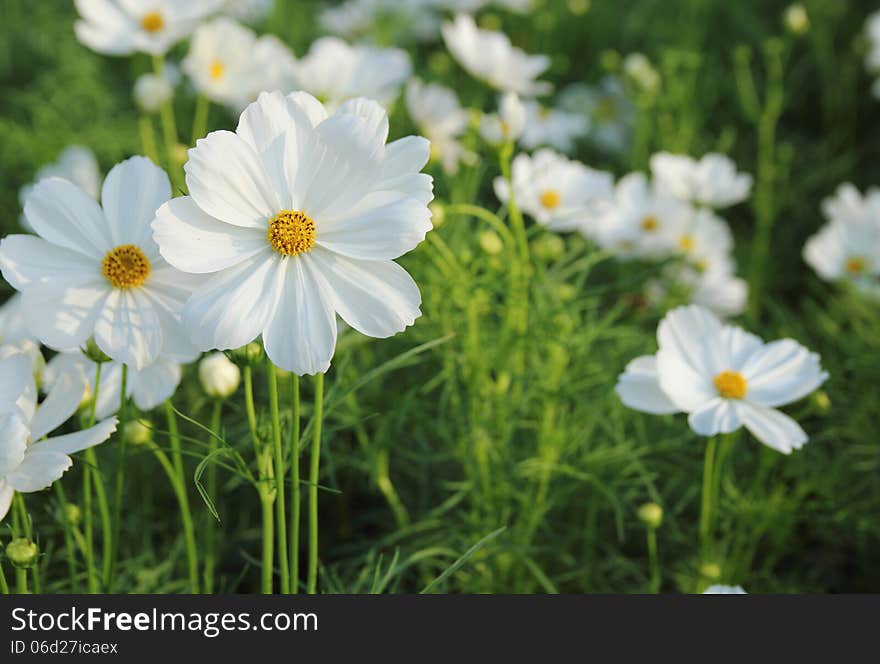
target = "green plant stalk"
x: 312, y: 578
x: 148, y: 138
x: 69, y: 548
x: 110, y: 562
x: 280, y: 507
x: 4, y: 586
x: 200, y: 118
x: 88, y: 475
x: 651, y: 534
x: 189, y: 534
x: 19, y: 529
x: 211, y: 527
x: 169, y: 128
x: 706, y: 506
x: 265, y: 476
x: 268, y: 527
x: 293, y: 548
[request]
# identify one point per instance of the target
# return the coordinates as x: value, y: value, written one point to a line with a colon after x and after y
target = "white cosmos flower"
x: 846, y: 249
x: 489, y: 56
x: 724, y: 590
x: 76, y: 164
x: 298, y: 216
x: 552, y: 127
x: 637, y: 223
x: 440, y: 118
x: 559, y: 193
x: 417, y: 20
x: 712, y: 181
x: 508, y: 124
x: 248, y: 11
x: 723, y: 377
x: 335, y: 71
x: 97, y: 272
x: 28, y: 463
x: 609, y: 112
x: 148, y: 387
x: 29, y: 349
x: 850, y: 205
x: 122, y: 27
x: 220, y: 62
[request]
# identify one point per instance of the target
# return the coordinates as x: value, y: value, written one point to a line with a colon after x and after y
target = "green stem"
x: 280, y: 507
x: 293, y: 548
x: 148, y: 138
x: 312, y: 579
x: 706, y: 507
x: 4, y: 586
x: 268, y: 525
x: 189, y: 534
x: 169, y: 128
x: 264, y: 469
x: 200, y: 118
x: 211, y: 527
x: 654, y: 561
x: 68, y: 536
x: 110, y: 562
x: 90, y: 475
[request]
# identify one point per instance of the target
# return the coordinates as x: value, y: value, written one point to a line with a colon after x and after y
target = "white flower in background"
x: 872, y: 59
x: 723, y: 377
x: 848, y: 246
x: 638, y: 222
x: 559, y: 193
x: 609, y: 112
x: 152, y: 90
x: 699, y: 237
x: 472, y: 6
x: 724, y: 590
x: 552, y: 127
x: 29, y: 349
x: 97, y: 272
x: 437, y: 113
x: 335, y: 71
x: 220, y: 62
x: 508, y: 124
x: 489, y: 56
x: 123, y: 27
x: 28, y: 463
x: 13, y: 326
x: 417, y: 20
x: 76, y: 164
x: 720, y: 290
x: 274, y: 67
x: 640, y: 70
x: 298, y: 216
x: 148, y: 387
x: 247, y: 11
x: 712, y: 181
x: 218, y: 375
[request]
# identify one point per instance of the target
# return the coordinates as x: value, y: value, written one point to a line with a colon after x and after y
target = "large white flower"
x: 488, y: 55
x: 440, y: 118
x: 297, y: 216
x: 712, y: 181
x: 148, y: 387
x: 546, y: 126
x: 335, y: 71
x: 559, y: 193
x: 723, y: 377
x: 122, y: 27
x: 97, y: 272
x: 28, y: 463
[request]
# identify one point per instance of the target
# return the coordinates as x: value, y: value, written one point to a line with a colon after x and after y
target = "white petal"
x: 61, y: 403
x: 63, y: 317
x: 301, y: 336
x: 64, y: 214
x: 38, y: 470
x: 13, y: 441
x: 227, y: 180
x: 133, y: 190
x: 27, y: 259
x: 716, y: 416
x: 691, y: 332
x: 7, y: 493
x: 375, y: 117
x: 772, y: 427
x: 16, y: 376
x: 639, y: 387
x: 155, y: 383
x: 72, y: 443
x: 128, y: 328
x: 377, y: 298
x: 193, y: 241
x: 313, y: 108
x: 235, y: 305
x: 782, y: 372
x: 685, y: 387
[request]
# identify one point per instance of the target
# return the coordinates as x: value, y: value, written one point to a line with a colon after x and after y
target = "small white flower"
x: 28, y: 463
x: 417, y: 20
x: 712, y: 181
x: 440, y: 118
x: 508, y: 124
x: 335, y: 71
x: 219, y: 377
x: 123, y: 27
x: 609, y: 112
x: 488, y: 55
x: 76, y: 164
x: 247, y: 11
x: 97, y: 272
x: 559, y: 193
x: 724, y: 590
x: 723, y: 378
x: 298, y: 216
x: 551, y: 127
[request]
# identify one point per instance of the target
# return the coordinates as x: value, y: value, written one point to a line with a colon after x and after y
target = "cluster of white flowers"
x: 847, y: 247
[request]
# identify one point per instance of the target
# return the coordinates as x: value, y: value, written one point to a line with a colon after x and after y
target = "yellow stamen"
x: 218, y: 69
x: 650, y: 224
x: 550, y: 199
x: 731, y: 385
x: 152, y: 22
x: 291, y: 232
x: 855, y: 265
x: 125, y: 266
x: 686, y: 242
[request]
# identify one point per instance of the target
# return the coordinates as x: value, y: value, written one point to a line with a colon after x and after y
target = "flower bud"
x: 796, y: 19
x: 71, y: 513
x: 822, y: 401
x: 548, y: 246
x: 138, y: 432
x: 219, y: 377
x: 491, y: 243
x: 578, y: 7
x: 710, y: 571
x: 248, y: 355
x: 651, y: 514
x: 151, y: 91
x: 94, y: 353
x: 438, y: 214
x: 22, y: 552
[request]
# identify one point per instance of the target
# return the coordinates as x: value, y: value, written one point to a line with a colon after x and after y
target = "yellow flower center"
x: 125, y: 266
x: 217, y: 70
x: 686, y: 242
x: 650, y: 224
x: 731, y: 385
x: 550, y: 199
x: 152, y: 22
x: 291, y: 232
x: 855, y: 265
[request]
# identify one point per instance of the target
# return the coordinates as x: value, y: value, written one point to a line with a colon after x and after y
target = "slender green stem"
x: 268, y: 554
x: 148, y: 138
x: 294, y: 487
x: 4, y: 586
x: 19, y: 529
x: 654, y: 561
x: 69, y: 548
x: 211, y: 527
x: 312, y: 579
x: 90, y: 475
x: 200, y: 118
x: 280, y: 508
x: 707, y: 507
x: 189, y: 534
x: 264, y: 486
x: 169, y: 129
x: 110, y: 564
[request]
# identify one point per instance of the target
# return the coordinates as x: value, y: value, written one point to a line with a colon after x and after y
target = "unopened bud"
x: 491, y: 243
x: 138, y: 432
x: 247, y: 355
x: 710, y: 571
x: 651, y: 514
x: 22, y: 552
x: 94, y: 353
x: 218, y: 375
